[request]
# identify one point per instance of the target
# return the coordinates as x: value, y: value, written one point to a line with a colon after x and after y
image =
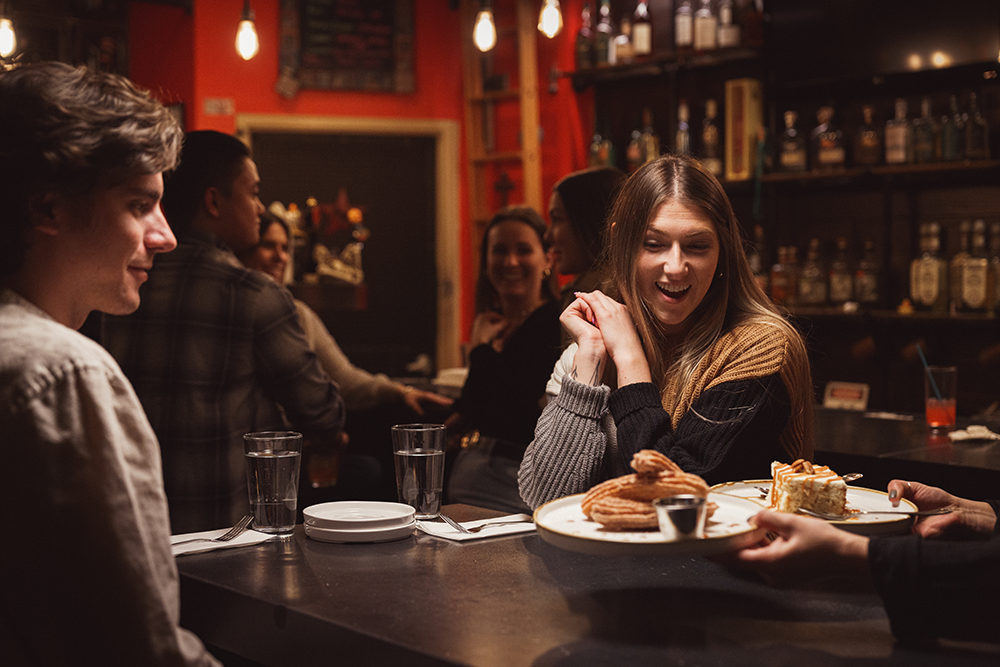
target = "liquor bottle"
x: 925, y: 135
x: 757, y: 257
x: 603, y: 35
x: 977, y: 133
x: 711, y: 149
x: 650, y: 140
x: 706, y: 26
x: 684, y: 28
x: 792, y: 146
x: 841, y: 276
x: 899, y: 137
x: 780, y: 277
x: 976, y: 282
x: 995, y: 266
x: 633, y: 152
x: 929, y: 273
x: 729, y: 33
x: 642, y: 31
x: 812, y: 280
x: 868, y: 140
x: 585, y: 40
x: 602, y: 151
x: 827, y: 142
x: 622, y: 50
x: 682, y: 141
x: 952, y: 133
x: 750, y: 15
x: 793, y: 270
x: 866, y: 278
x: 957, y: 264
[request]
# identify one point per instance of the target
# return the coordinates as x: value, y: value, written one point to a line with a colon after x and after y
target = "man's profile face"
x: 239, y: 211
x: 114, y: 233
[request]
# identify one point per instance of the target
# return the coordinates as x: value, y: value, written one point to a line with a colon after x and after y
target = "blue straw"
x: 930, y: 376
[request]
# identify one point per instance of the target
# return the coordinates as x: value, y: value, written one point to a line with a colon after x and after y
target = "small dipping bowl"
x: 681, y: 517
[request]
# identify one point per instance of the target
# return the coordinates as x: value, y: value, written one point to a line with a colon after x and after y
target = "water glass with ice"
x: 273, y: 462
x: 419, y: 453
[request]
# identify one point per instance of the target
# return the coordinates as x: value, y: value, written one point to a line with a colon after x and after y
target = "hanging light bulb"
x: 8, y: 40
x: 550, y: 18
x: 485, y: 33
x: 247, y: 44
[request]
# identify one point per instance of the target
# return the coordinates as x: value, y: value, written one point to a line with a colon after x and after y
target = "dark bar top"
x: 885, y: 446
x: 518, y: 601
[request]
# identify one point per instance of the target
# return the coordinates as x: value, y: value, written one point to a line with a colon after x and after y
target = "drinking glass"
x: 940, y: 390
x: 419, y: 453
x: 273, y: 462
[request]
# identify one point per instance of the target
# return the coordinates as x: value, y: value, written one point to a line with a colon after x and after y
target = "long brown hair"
x: 734, y: 297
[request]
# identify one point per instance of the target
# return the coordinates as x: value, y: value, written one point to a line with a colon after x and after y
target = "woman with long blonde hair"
x: 682, y: 352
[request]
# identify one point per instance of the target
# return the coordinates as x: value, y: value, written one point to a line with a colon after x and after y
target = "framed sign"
x: 362, y: 45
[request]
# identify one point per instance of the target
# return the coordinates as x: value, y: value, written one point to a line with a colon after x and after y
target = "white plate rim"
x: 865, y: 524
x: 371, y: 535
x: 609, y: 544
x: 378, y: 514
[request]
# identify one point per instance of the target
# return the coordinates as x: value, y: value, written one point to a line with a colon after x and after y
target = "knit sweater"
x: 733, y: 418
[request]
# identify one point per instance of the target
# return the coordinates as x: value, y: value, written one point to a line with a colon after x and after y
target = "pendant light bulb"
x: 247, y: 44
x: 8, y: 40
x: 550, y: 20
x: 485, y: 33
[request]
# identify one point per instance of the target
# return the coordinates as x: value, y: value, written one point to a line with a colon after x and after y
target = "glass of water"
x: 273, y: 462
x: 419, y: 453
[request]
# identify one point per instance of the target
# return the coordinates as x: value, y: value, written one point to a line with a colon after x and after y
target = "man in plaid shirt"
x: 216, y: 349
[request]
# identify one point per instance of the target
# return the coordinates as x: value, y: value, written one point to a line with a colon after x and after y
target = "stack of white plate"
x: 359, y: 521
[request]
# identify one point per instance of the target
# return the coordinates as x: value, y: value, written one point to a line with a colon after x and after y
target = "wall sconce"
x: 8, y: 40
x: 550, y: 20
x: 484, y: 34
x: 247, y: 44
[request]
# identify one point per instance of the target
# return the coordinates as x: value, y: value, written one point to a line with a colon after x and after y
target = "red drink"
x: 940, y: 413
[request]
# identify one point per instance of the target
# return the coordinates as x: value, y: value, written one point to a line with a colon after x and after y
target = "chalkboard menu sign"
x: 347, y: 45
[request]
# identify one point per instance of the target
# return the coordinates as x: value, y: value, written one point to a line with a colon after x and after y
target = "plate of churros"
x: 563, y: 524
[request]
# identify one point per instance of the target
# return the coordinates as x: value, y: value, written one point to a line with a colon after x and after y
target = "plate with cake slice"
x: 563, y: 524
x: 824, y: 493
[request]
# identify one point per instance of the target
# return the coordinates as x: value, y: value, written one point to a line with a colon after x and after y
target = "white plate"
x: 358, y: 515
x: 370, y: 535
x: 562, y: 523
x: 858, y: 498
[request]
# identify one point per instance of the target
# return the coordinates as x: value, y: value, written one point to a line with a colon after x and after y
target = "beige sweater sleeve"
x: 359, y: 388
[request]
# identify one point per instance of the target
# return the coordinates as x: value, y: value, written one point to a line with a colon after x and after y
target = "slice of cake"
x: 802, y: 484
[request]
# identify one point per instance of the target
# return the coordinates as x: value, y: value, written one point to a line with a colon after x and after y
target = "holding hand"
x: 413, y: 398
x: 617, y: 329
x: 971, y: 519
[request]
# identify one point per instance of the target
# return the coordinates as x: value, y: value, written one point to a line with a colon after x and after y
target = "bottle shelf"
x: 854, y: 175
x: 659, y: 65
x: 832, y: 312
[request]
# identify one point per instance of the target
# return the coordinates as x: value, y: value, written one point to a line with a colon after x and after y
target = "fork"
x: 454, y: 524
x: 241, y: 527
x: 840, y: 517
x: 495, y: 523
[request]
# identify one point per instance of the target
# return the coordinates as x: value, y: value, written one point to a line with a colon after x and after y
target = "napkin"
x: 441, y: 529
x: 248, y: 538
x: 973, y: 433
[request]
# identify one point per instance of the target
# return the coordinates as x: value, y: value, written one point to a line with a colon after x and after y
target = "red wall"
x: 191, y: 58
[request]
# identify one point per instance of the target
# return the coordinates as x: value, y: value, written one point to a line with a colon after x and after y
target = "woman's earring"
x: 547, y: 273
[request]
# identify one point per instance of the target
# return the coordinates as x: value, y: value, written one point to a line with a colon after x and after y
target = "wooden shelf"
x: 854, y: 175
x: 659, y: 65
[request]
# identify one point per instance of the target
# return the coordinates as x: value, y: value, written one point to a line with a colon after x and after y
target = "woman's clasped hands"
x: 603, y: 328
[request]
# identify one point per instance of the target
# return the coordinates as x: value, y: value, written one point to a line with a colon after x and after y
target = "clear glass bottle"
x: 976, y: 273
x: 585, y: 40
x: 977, y: 133
x: 706, y: 25
x: 929, y: 273
x: 622, y: 44
x: 780, y: 277
x: 926, y: 137
x: 684, y: 28
x: 682, y: 140
x: 601, y: 151
x: 711, y: 148
x: 827, y: 142
x: 603, y: 35
x: 792, y: 146
x: 642, y: 31
x: 957, y: 264
x: 729, y: 32
x: 866, y: 278
x: 868, y: 140
x: 650, y: 139
x: 812, y: 280
x: 899, y: 137
x: 633, y: 152
x: 841, y: 275
x: 952, y: 133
